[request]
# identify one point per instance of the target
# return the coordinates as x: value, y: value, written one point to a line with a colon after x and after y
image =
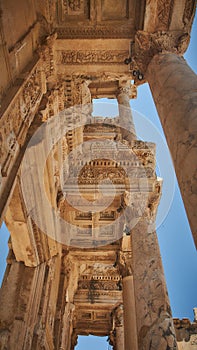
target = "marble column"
x: 174, y: 89
x: 130, y: 328
x: 125, y: 114
x: 119, y: 328
x: 154, y: 321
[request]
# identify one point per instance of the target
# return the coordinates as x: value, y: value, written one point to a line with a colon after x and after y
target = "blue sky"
x: 176, y: 244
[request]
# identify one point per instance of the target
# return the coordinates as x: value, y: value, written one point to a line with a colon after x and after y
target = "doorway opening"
x: 92, y: 342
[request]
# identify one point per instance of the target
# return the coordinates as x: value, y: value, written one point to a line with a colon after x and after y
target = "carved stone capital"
x: 128, y: 90
x: 124, y: 264
x: 147, y: 45
x: 124, y: 90
x: 119, y: 316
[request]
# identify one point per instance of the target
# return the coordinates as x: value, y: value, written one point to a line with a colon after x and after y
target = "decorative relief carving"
x: 94, y: 32
x: 98, y: 285
x: 46, y: 53
x: 73, y: 5
x: 91, y: 175
x: 92, y: 57
x: 124, y: 263
x: 37, y: 237
x: 17, y: 118
x: 189, y: 11
x: 164, y: 13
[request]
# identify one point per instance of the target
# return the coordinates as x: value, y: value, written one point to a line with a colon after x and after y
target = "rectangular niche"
x: 114, y: 10
x: 73, y: 10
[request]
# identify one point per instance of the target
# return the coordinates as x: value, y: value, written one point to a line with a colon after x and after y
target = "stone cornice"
x: 90, y: 32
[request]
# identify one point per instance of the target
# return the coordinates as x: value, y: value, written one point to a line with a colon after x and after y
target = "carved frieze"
x: 83, y: 216
x: 118, y: 316
x: 107, y: 215
x: 98, y: 284
x: 18, y: 117
x: 164, y: 12
x: 90, y: 175
x: 80, y: 57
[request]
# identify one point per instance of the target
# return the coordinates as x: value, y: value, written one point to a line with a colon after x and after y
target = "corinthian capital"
x: 128, y: 89
x: 148, y: 45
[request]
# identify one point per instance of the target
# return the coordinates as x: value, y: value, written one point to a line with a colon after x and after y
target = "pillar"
x: 130, y: 328
x: 174, y: 88
x: 119, y: 328
x: 154, y: 320
x: 126, y: 118
x: 120, y: 338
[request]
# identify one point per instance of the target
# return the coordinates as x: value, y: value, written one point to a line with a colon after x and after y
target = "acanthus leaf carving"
x: 147, y: 45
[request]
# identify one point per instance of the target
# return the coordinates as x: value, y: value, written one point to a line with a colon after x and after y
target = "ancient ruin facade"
x: 79, y: 193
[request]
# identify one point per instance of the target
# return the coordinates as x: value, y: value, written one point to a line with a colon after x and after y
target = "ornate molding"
x: 94, y: 284
x: 104, y: 57
x: 73, y: 5
x: 91, y: 32
x: 16, y: 120
x: 124, y: 90
x: 91, y: 175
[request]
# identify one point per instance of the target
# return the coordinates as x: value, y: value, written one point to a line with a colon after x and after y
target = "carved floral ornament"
x: 74, y: 5
x: 91, y: 57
